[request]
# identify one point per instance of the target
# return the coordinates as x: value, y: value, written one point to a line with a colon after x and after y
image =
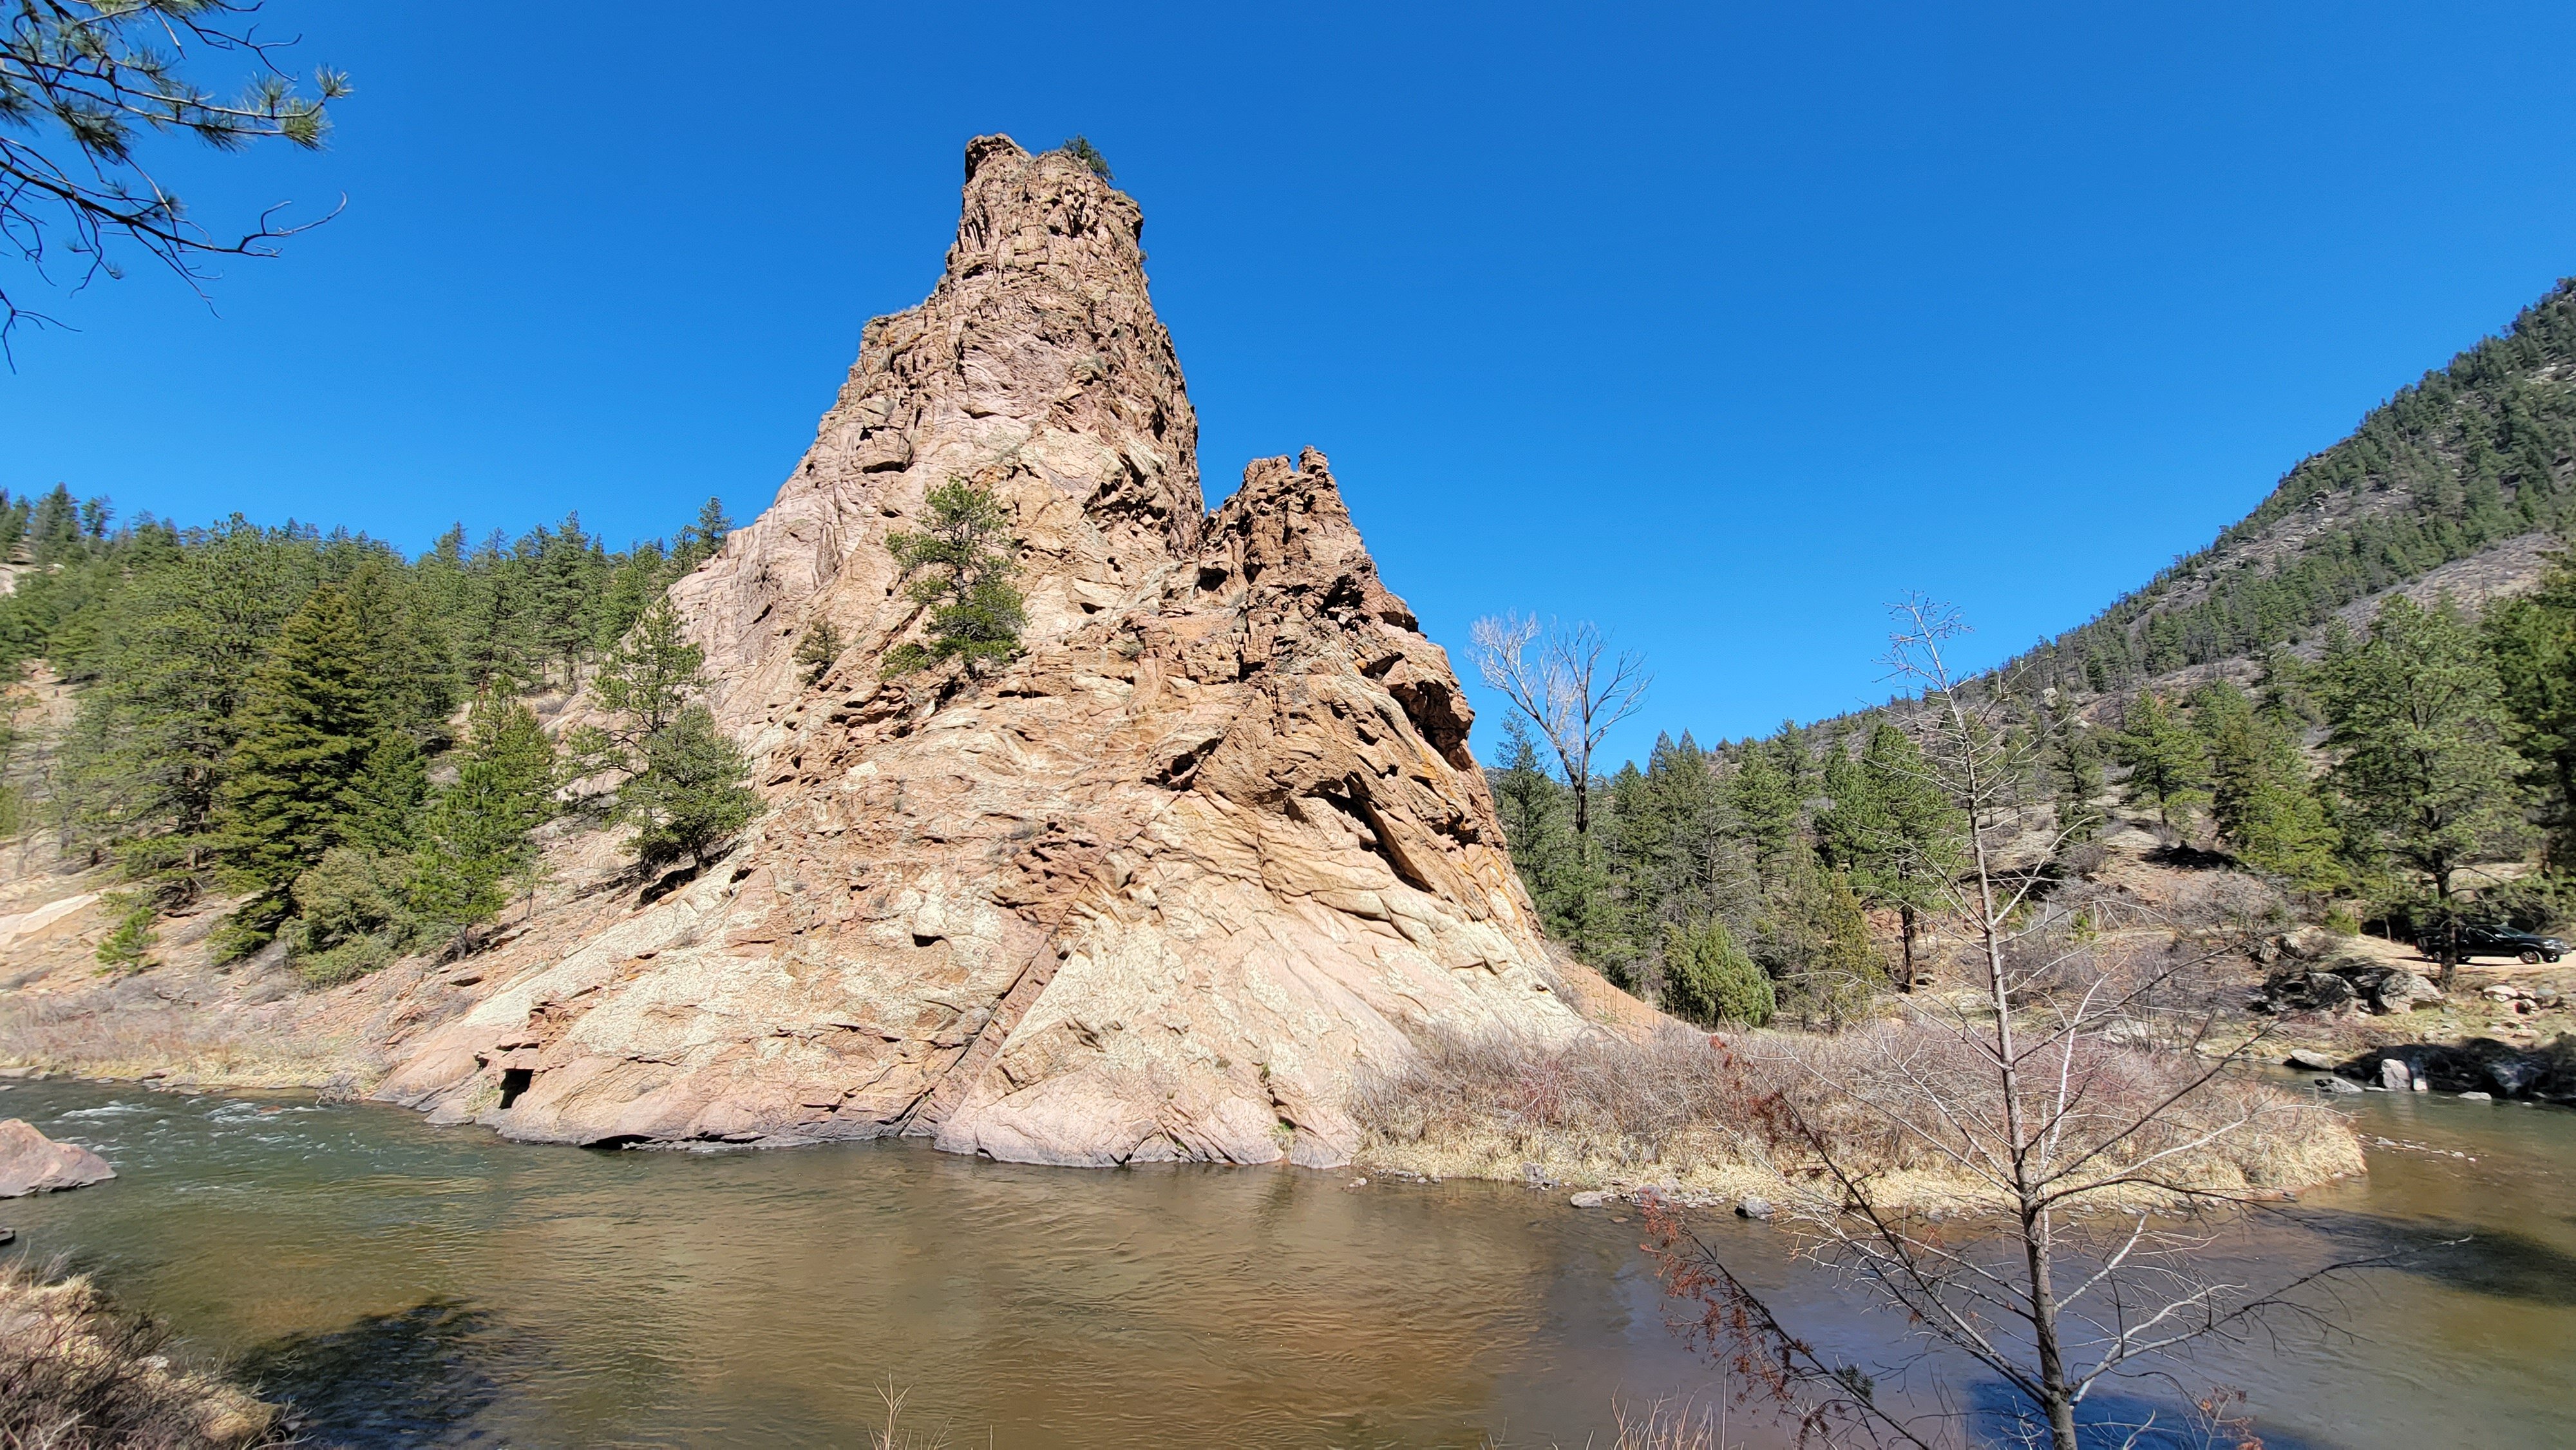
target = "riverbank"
x: 77, y: 1372
x: 1700, y: 1117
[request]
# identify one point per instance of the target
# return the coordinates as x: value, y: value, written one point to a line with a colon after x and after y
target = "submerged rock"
x: 30, y: 1162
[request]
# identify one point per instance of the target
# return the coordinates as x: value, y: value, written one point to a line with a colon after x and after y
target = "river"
x: 410, y: 1285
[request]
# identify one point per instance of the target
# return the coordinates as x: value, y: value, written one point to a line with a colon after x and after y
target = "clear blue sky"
x: 1718, y: 325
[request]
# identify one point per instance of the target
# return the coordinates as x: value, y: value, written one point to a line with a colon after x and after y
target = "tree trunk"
x: 1905, y: 917
x: 2450, y: 930
x: 2056, y: 1400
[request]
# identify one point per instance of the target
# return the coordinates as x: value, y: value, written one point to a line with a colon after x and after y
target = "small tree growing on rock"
x: 690, y: 795
x: 963, y: 563
x: 1081, y: 149
x: 817, y: 652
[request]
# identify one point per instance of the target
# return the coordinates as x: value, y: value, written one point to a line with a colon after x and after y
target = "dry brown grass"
x: 84, y: 1034
x: 78, y: 1374
x: 1759, y: 1114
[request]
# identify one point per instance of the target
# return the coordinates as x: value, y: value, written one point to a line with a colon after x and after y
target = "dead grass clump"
x: 91, y: 1034
x: 1902, y: 1098
x: 1666, y: 1425
x: 1763, y: 1112
x: 78, y: 1374
x: 1601, y: 1111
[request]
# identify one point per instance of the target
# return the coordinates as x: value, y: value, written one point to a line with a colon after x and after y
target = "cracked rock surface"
x: 1167, y: 885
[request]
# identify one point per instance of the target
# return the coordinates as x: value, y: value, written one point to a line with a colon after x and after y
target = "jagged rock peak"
x: 1168, y: 884
x: 1036, y: 366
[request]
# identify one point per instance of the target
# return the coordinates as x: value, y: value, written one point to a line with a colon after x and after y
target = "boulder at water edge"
x: 30, y: 1162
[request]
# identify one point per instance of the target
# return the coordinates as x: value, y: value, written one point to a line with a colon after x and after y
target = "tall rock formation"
x: 1164, y: 886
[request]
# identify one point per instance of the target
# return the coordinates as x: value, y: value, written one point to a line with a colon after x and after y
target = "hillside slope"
x: 2460, y: 482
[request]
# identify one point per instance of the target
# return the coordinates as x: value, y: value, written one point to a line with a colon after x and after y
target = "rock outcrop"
x: 1168, y: 885
x: 30, y: 1162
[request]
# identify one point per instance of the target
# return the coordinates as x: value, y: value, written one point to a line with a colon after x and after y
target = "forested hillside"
x: 2409, y: 765
x: 2468, y: 457
x: 333, y: 732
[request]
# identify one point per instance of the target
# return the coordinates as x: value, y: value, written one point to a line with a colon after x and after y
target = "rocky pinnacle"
x: 1170, y: 884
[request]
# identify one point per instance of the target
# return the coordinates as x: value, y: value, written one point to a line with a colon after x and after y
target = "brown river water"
x: 409, y: 1285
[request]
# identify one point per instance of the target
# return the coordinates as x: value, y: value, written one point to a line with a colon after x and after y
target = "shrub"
x: 1089, y: 155
x: 128, y: 946
x: 1709, y: 978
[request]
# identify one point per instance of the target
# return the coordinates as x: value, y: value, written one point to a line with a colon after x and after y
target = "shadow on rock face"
x: 418, y: 1377
x: 2490, y: 1261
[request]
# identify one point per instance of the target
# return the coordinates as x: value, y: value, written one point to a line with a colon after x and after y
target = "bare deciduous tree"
x: 2036, y: 1089
x: 1565, y: 680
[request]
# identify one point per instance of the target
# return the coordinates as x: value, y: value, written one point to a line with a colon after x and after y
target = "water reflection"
x: 419, y: 1286
x: 424, y: 1376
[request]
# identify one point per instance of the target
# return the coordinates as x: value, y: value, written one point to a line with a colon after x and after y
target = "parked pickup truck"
x: 2480, y: 939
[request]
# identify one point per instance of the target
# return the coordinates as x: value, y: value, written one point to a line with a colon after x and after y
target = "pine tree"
x: 310, y: 723
x: 383, y: 804
x: 479, y: 833
x: 1537, y: 816
x: 569, y: 573
x: 692, y: 794
x: 2533, y: 643
x: 179, y: 644
x: 650, y: 675
x: 1768, y: 800
x: 2418, y: 725
x: 975, y: 614
x: 2074, y: 764
x: 2261, y: 797
x: 1892, y: 830
x: 638, y: 580
x: 817, y: 652
x: 1710, y: 979
x: 2167, y: 768
x: 702, y: 538
x: 1817, y: 942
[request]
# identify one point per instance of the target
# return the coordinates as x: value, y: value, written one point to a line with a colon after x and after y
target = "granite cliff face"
x: 1162, y: 887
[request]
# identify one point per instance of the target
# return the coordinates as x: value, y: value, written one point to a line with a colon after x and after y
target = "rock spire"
x: 1165, y: 886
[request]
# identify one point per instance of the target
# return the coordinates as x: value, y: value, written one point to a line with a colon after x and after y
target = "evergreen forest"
x: 345, y: 740
x: 2407, y: 773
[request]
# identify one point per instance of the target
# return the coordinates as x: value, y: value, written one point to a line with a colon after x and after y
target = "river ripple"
x: 411, y: 1285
